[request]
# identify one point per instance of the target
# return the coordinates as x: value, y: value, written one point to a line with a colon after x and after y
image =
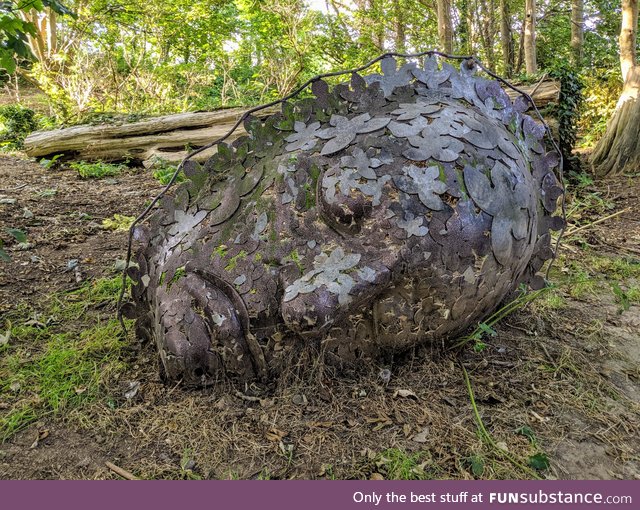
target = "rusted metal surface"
x: 393, y: 210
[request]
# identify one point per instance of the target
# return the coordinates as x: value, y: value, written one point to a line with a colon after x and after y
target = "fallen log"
x: 170, y: 137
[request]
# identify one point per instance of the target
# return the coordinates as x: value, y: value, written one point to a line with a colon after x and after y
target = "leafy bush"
x: 16, y: 122
x: 602, y: 93
x: 97, y: 170
x: 567, y: 112
x: 163, y: 171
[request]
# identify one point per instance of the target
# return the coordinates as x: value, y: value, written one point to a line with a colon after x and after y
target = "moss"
x: 233, y: 261
x: 294, y: 257
x: 220, y: 251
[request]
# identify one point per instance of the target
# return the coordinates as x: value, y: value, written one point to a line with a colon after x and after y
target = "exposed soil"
x: 559, y: 380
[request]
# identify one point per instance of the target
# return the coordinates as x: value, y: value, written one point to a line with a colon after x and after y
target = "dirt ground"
x: 559, y: 380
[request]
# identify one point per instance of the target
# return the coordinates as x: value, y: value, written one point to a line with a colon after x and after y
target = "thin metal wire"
x: 295, y: 93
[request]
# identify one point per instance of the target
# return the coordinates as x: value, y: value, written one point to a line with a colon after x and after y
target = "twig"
x: 485, y: 433
x: 589, y: 225
x: 241, y: 395
x: 544, y: 76
x: 15, y: 188
x: 122, y: 472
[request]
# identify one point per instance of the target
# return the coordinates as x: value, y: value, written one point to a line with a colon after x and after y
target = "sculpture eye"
x: 343, y: 203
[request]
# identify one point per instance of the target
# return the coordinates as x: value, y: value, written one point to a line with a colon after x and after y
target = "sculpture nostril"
x: 201, y: 336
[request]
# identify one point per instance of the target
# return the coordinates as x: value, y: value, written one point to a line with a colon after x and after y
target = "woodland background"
x: 96, y: 60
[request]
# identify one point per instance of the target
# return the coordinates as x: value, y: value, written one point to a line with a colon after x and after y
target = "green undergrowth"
x: 97, y: 170
x: 591, y: 276
x: 61, y: 358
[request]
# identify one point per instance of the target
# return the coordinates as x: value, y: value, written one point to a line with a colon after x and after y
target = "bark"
x: 619, y: 149
x: 577, y: 31
x: 628, y: 36
x: 164, y: 137
x: 445, y: 28
x: 506, y: 38
x: 530, y: 59
x: 401, y: 35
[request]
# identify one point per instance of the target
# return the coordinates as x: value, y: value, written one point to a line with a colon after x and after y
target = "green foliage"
x: 19, y: 235
x: 163, y: 172
x: 16, y: 122
x: 539, y: 461
x: 602, y: 91
x: 97, y: 170
x: 400, y: 465
x: 567, y: 112
x: 15, y: 30
x: 118, y: 222
x: 50, y: 163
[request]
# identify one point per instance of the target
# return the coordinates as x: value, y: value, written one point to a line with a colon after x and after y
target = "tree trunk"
x: 530, y: 59
x: 619, y: 149
x: 506, y: 38
x: 401, y: 36
x: 577, y: 31
x: 487, y: 29
x: 445, y: 28
x: 520, y: 58
x: 628, y: 36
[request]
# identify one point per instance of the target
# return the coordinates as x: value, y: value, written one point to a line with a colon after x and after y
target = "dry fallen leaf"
x: 421, y: 437
x: 42, y: 435
x: 405, y: 394
x: 275, y: 434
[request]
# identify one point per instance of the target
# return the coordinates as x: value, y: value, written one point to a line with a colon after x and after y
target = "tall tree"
x: 506, y: 38
x: 577, y: 30
x: 530, y: 58
x: 619, y: 149
x: 445, y: 27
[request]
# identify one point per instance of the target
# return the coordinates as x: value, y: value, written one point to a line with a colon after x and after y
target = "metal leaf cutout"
x: 425, y: 182
x: 344, y: 131
x: 304, y: 138
x: 391, y: 76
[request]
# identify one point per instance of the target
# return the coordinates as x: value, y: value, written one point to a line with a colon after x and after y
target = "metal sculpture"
x: 396, y: 209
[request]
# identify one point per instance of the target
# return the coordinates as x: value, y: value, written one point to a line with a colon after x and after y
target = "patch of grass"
x: 399, y: 465
x: 485, y: 328
x: 97, y: 170
x: 551, y: 301
x: 50, y: 365
x: 617, y: 267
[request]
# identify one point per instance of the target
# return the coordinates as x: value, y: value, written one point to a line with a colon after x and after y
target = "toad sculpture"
x: 396, y: 209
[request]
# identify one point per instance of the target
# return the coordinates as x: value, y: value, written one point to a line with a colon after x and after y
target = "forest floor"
x: 556, y: 389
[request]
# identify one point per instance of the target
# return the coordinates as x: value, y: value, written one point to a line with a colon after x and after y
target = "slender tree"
x: 530, y: 59
x: 445, y: 27
x: 577, y: 31
x: 506, y: 38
